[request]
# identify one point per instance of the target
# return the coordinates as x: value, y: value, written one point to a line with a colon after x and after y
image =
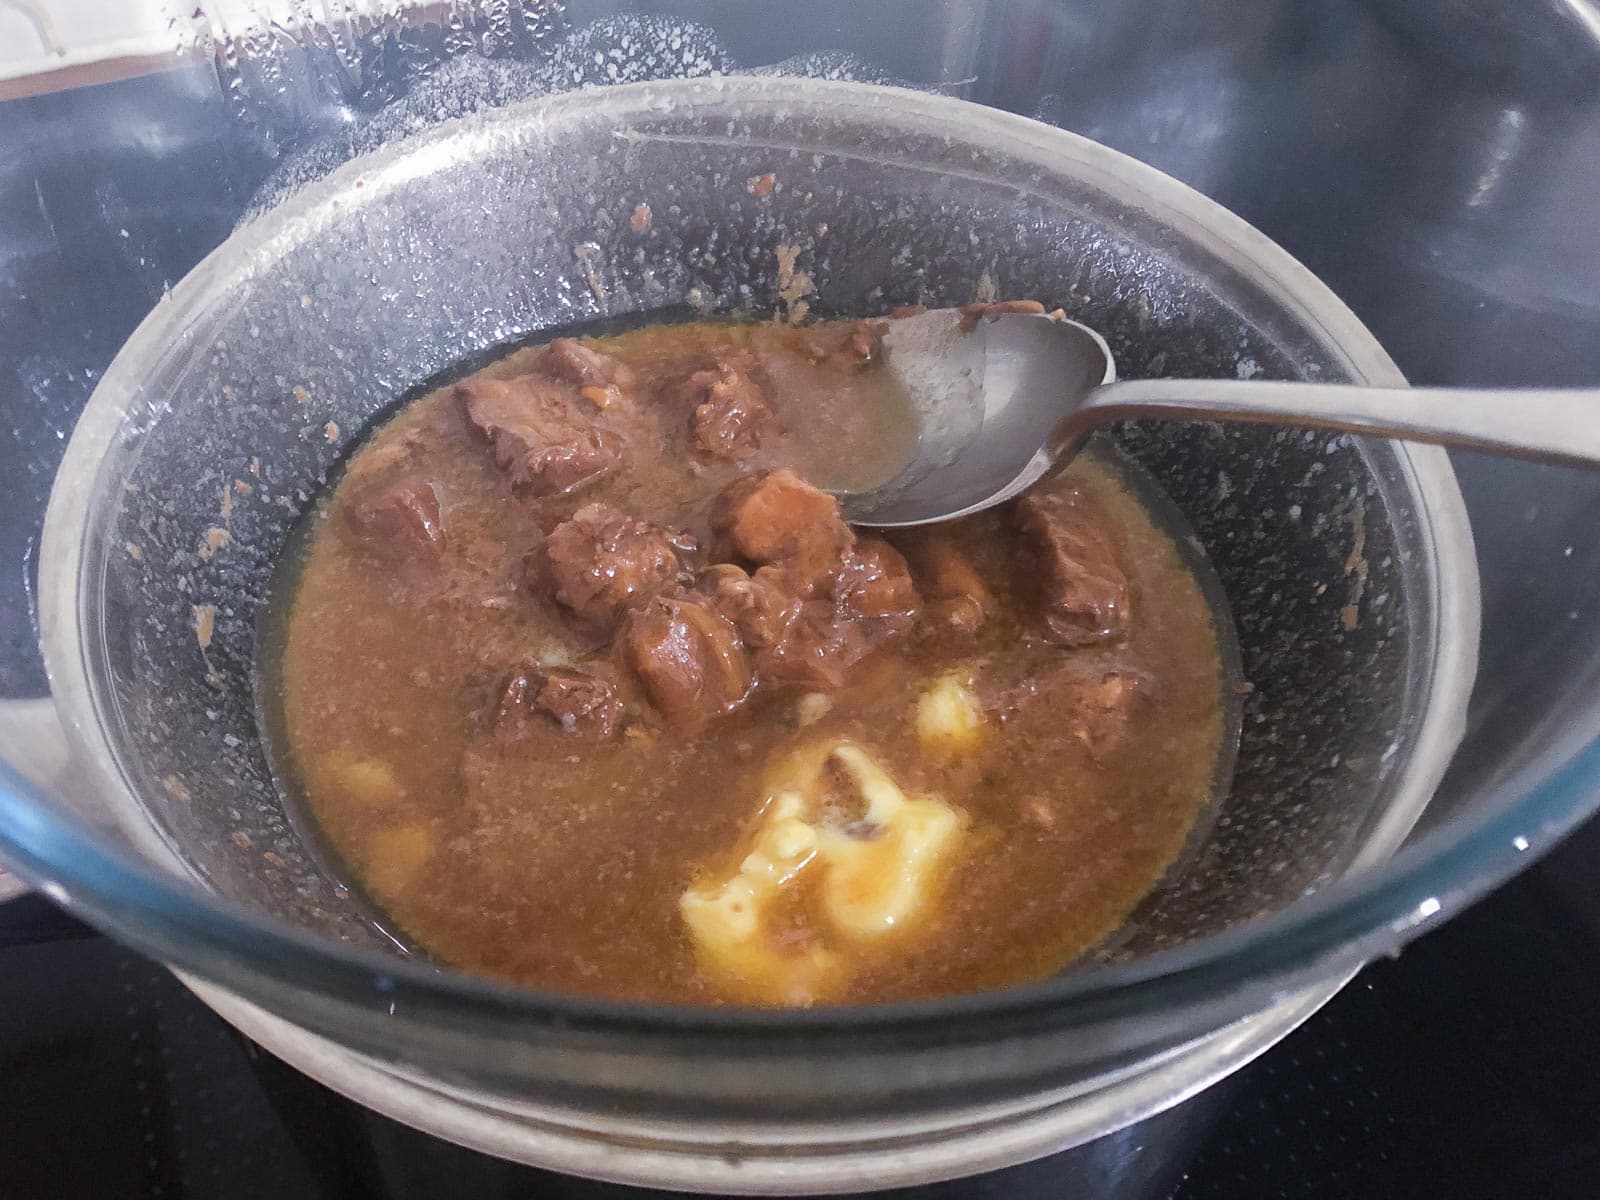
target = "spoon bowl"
x: 988, y: 393
x: 1003, y: 398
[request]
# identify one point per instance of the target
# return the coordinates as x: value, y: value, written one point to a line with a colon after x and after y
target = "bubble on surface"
x: 837, y: 65
x: 635, y: 48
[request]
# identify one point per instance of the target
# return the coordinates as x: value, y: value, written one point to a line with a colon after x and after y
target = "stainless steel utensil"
x: 1003, y: 399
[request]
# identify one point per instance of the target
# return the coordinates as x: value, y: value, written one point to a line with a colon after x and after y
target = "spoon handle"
x: 1555, y: 425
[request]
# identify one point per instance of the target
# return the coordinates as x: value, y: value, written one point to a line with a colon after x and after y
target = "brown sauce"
x: 703, y: 744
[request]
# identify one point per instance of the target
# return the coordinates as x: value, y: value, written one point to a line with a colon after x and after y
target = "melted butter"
x: 875, y: 878
x: 948, y: 719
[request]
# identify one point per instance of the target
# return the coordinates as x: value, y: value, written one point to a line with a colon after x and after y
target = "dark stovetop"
x: 1468, y: 1068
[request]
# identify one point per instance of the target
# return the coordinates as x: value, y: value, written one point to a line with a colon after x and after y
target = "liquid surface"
x: 961, y: 762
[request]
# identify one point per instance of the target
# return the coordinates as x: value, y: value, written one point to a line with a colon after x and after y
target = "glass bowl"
x: 1348, y: 565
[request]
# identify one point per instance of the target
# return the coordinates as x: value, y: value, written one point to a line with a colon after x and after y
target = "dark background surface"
x: 1436, y: 163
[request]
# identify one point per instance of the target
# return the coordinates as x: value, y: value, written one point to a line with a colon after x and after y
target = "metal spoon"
x: 1002, y: 403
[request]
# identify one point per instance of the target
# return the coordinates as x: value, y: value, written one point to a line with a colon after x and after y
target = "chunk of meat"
x: 840, y: 343
x: 862, y: 342
x: 958, y: 599
x: 1104, y: 716
x: 687, y: 656
x: 386, y: 458
x: 873, y: 586
x: 761, y: 606
x: 399, y: 519
x: 1082, y: 588
x: 793, y: 640
x: 823, y: 600
x: 818, y: 649
x: 730, y: 415
x: 538, y: 434
x: 853, y: 343
x: 1098, y: 704
x: 869, y: 599
x: 576, y: 703
x: 777, y: 517
x: 565, y: 358
x: 821, y: 648
x: 971, y: 314
x: 600, y: 560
